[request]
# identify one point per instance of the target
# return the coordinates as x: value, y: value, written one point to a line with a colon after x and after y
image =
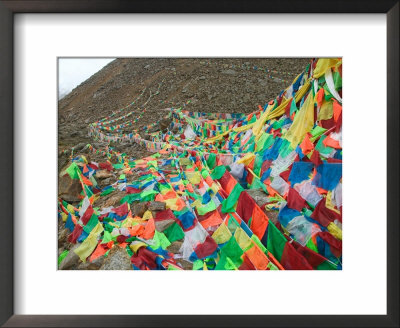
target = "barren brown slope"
x: 214, y: 88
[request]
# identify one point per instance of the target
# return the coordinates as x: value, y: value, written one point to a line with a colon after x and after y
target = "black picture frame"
x: 11, y: 7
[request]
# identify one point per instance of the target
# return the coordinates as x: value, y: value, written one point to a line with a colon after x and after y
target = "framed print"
x: 171, y: 138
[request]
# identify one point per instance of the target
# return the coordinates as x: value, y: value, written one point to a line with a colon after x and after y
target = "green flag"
x: 174, y: 232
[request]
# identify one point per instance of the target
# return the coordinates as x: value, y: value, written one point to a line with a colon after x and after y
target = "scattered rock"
x: 60, y: 250
x: 229, y: 72
x: 103, y: 174
x: 114, y: 199
x: 163, y: 224
x: 79, y: 146
x: 117, y: 259
x: 138, y: 208
x: 175, y: 247
x: 61, y: 153
x: 68, y: 245
x: 185, y: 264
x: 262, y: 82
x: 71, y: 261
x: 258, y: 195
x: 95, y: 265
x: 154, y: 128
x: 164, y: 123
x: 272, y: 215
x: 62, y: 161
x: 63, y: 236
x: 156, y: 206
x: 69, y: 189
x: 105, y: 182
x: 99, y: 144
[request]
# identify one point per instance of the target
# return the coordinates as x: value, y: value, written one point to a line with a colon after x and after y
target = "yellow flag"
x: 193, y: 177
x: 134, y: 246
x: 323, y: 64
x: 222, y: 234
x: 329, y: 203
x: 147, y: 215
x: 64, y: 216
x: 239, y: 129
x: 171, y: 204
x: 246, y: 160
x: 89, y: 244
x: 279, y: 111
x: 257, y: 128
x: 335, y: 230
x: 303, y: 122
x: 242, y: 239
x: 127, y: 223
x: 326, y: 110
x: 70, y: 208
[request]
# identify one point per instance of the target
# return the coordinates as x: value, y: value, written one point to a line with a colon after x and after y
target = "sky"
x: 73, y: 71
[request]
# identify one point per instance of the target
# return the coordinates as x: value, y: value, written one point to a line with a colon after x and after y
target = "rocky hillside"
x: 213, y: 85
x: 173, y: 210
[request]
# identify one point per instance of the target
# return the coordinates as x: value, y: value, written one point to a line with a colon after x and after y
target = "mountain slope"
x: 215, y: 87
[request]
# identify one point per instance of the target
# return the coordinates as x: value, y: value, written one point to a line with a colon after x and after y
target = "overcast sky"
x: 73, y: 71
